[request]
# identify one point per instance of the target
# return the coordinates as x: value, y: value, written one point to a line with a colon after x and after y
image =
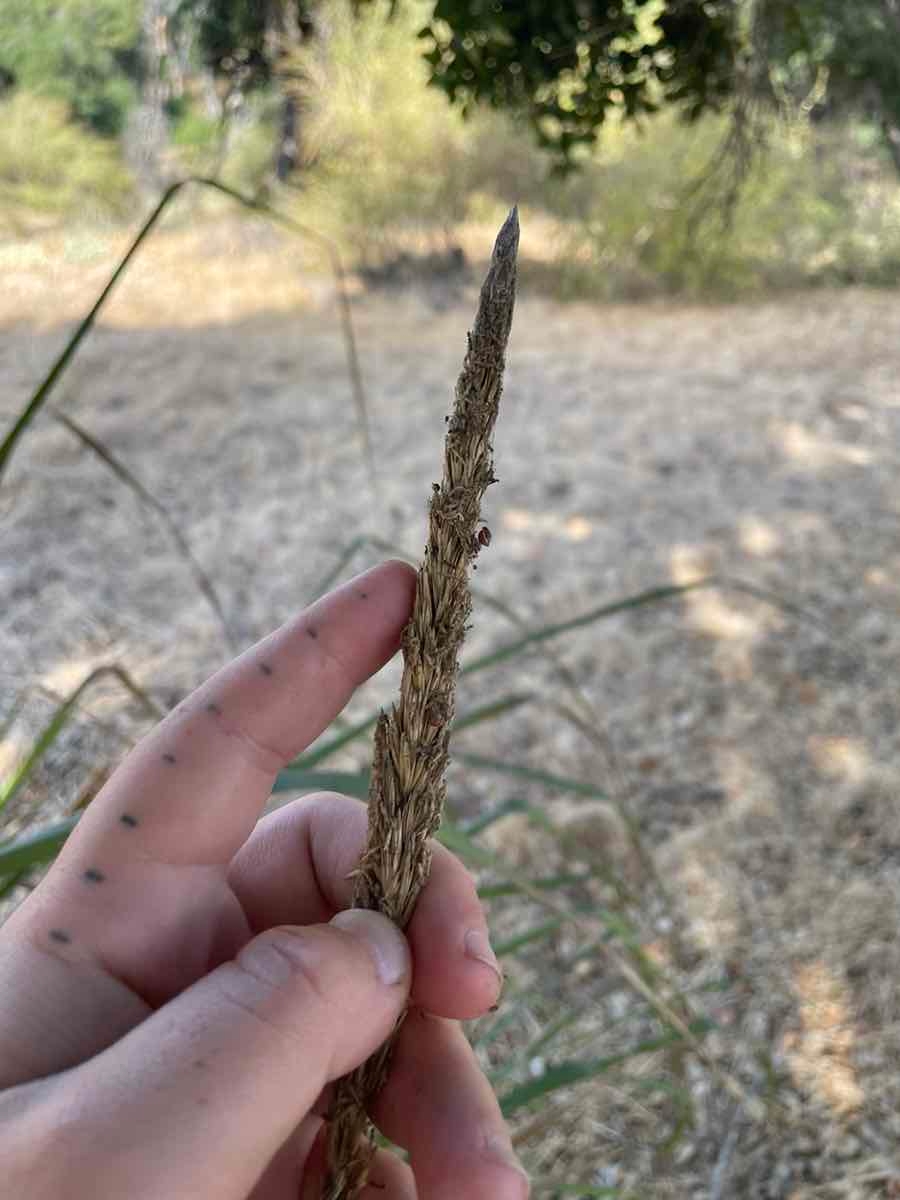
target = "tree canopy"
x: 562, y: 66
x: 85, y: 52
x: 566, y: 65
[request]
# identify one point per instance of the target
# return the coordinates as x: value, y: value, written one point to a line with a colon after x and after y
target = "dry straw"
x: 407, y: 792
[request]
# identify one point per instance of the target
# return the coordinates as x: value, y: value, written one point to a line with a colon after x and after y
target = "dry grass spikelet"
x: 407, y: 792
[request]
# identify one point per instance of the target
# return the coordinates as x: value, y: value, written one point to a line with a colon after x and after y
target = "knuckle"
x: 267, y: 759
x: 281, y: 960
x: 278, y: 986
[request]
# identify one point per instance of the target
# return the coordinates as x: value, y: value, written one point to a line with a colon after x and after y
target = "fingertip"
x: 438, y: 1105
x: 511, y: 1179
x: 456, y: 972
x: 402, y: 570
x: 393, y: 580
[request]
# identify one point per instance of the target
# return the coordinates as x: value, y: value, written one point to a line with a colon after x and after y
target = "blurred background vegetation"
x: 657, y: 147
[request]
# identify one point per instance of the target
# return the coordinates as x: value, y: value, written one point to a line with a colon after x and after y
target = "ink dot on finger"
x: 312, y: 632
x: 214, y: 709
x: 128, y: 820
x: 363, y: 595
x: 92, y: 875
x: 60, y: 936
x: 265, y: 668
x: 170, y: 759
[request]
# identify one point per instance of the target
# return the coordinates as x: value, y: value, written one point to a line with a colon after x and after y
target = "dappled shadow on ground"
x: 637, y: 446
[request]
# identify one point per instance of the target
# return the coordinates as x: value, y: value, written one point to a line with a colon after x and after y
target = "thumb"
x: 197, y: 1100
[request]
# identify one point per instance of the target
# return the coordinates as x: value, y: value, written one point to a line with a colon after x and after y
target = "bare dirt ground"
x: 637, y: 446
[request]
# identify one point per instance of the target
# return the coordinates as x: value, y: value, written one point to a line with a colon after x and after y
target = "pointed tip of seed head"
x: 498, y: 291
x: 507, y: 244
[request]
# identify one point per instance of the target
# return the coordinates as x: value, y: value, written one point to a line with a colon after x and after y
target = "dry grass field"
x: 637, y: 446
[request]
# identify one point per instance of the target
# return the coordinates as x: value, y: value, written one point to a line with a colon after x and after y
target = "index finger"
x: 191, y: 792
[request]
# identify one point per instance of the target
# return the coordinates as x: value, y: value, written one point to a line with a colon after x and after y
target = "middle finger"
x: 438, y: 1105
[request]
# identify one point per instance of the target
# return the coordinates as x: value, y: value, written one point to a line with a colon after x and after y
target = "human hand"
x: 172, y: 1000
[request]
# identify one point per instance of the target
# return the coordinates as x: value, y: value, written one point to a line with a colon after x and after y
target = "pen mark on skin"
x: 266, y: 669
x: 92, y: 875
x: 199, y: 1063
x: 213, y: 709
x: 363, y: 595
x: 60, y: 935
x: 170, y: 759
x: 129, y: 820
x: 312, y: 631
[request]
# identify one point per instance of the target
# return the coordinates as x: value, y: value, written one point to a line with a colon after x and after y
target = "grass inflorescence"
x: 407, y: 793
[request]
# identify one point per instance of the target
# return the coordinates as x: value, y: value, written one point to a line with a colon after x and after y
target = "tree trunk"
x: 286, y: 157
x: 891, y: 131
x: 147, y: 133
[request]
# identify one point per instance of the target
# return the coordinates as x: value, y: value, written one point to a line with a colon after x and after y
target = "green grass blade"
x: 313, y: 757
x: 451, y: 836
x: 42, y: 394
x: 565, y: 1074
x: 297, y: 779
x: 11, y: 881
x: 553, y: 1030
x: 651, y: 596
x: 582, y: 1191
x: 346, y: 555
x: 549, y: 883
x: 523, y: 1057
x: 485, y: 713
x: 535, y: 933
x: 46, y: 387
x: 39, y: 846
x: 486, y: 819
x: 559, y: 783
x: 343, y: 293
x: 204, y: 584
x: 11, y: 786
x: 654, y: 595
x: 489, y: 712
x: 502, y: 1022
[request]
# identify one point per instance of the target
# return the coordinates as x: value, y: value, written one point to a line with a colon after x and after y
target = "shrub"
x: 51, y: 165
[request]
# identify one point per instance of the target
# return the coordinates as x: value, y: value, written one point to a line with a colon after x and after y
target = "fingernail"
x: 498, y: 1148
x: 478, y: 947
x: 385, y: 942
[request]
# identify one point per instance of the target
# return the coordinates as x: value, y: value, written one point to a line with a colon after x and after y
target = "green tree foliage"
x: 84, y: 52
x: 241, y: 40
x: 844, y: 56
x: 566, y: 65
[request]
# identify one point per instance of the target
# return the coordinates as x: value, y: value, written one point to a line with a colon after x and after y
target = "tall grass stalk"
x: 204, y: 584
x: 45, y: 389
x: 10, y: 787
x: 406, y: 798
